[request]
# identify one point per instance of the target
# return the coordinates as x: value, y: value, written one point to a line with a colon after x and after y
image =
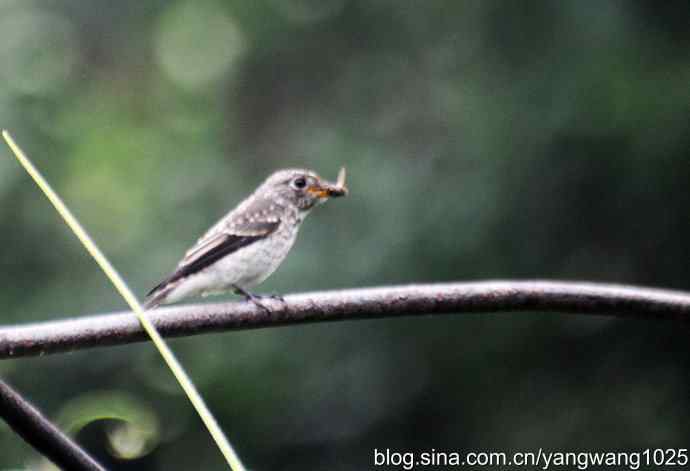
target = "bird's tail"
x: 158, y: 295
x: 154, y: 301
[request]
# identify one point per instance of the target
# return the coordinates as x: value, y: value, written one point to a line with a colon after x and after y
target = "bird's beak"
x: 325, y: 189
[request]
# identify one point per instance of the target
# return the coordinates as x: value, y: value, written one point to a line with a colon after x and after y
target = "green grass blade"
x: 115, y: 278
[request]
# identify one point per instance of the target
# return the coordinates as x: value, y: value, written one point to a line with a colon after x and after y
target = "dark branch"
x: 41, y: 434
x: 367, y: 303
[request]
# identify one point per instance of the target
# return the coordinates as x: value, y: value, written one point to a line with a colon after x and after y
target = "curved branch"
x: 40, y: 433
x: 365, y: 303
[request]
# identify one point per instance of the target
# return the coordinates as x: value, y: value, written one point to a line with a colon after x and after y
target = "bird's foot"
x: 256, y: 301
x: 256, y: 298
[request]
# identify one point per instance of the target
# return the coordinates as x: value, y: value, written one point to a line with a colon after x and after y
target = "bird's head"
x: 303, y: 188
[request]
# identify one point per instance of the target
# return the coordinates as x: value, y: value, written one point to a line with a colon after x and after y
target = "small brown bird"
x: 250, y: 242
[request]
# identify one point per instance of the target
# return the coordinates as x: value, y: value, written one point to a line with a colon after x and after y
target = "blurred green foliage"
x: 483, y: 140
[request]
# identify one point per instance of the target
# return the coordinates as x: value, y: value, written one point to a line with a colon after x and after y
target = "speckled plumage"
x: 249, y: 243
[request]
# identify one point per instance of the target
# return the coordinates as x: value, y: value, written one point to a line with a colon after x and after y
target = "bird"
x: 249, y: 243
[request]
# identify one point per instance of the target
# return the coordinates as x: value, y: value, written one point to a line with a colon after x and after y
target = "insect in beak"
x: 331, y: 190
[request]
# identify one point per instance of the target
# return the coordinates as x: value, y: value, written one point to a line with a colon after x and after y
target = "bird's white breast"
x: 246, y: 268
x: 252, y: 264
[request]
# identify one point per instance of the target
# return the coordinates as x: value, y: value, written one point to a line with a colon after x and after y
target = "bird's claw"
x: 256, y: 301
x: 256, y: 298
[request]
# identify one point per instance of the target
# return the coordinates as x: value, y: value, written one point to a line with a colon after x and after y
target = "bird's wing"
x: 219, y: 244
x: 222, y: 240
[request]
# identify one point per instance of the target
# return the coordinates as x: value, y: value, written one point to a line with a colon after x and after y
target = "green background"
x: 483, y: 140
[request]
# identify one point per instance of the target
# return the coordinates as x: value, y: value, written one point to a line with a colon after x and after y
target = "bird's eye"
x: 299, y: 182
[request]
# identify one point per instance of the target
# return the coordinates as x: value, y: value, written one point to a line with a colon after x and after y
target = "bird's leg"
x: 248, y: 295
x: 256, y: 299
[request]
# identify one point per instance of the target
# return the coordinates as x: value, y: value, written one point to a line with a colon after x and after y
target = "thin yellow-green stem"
x: 167, y: 354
